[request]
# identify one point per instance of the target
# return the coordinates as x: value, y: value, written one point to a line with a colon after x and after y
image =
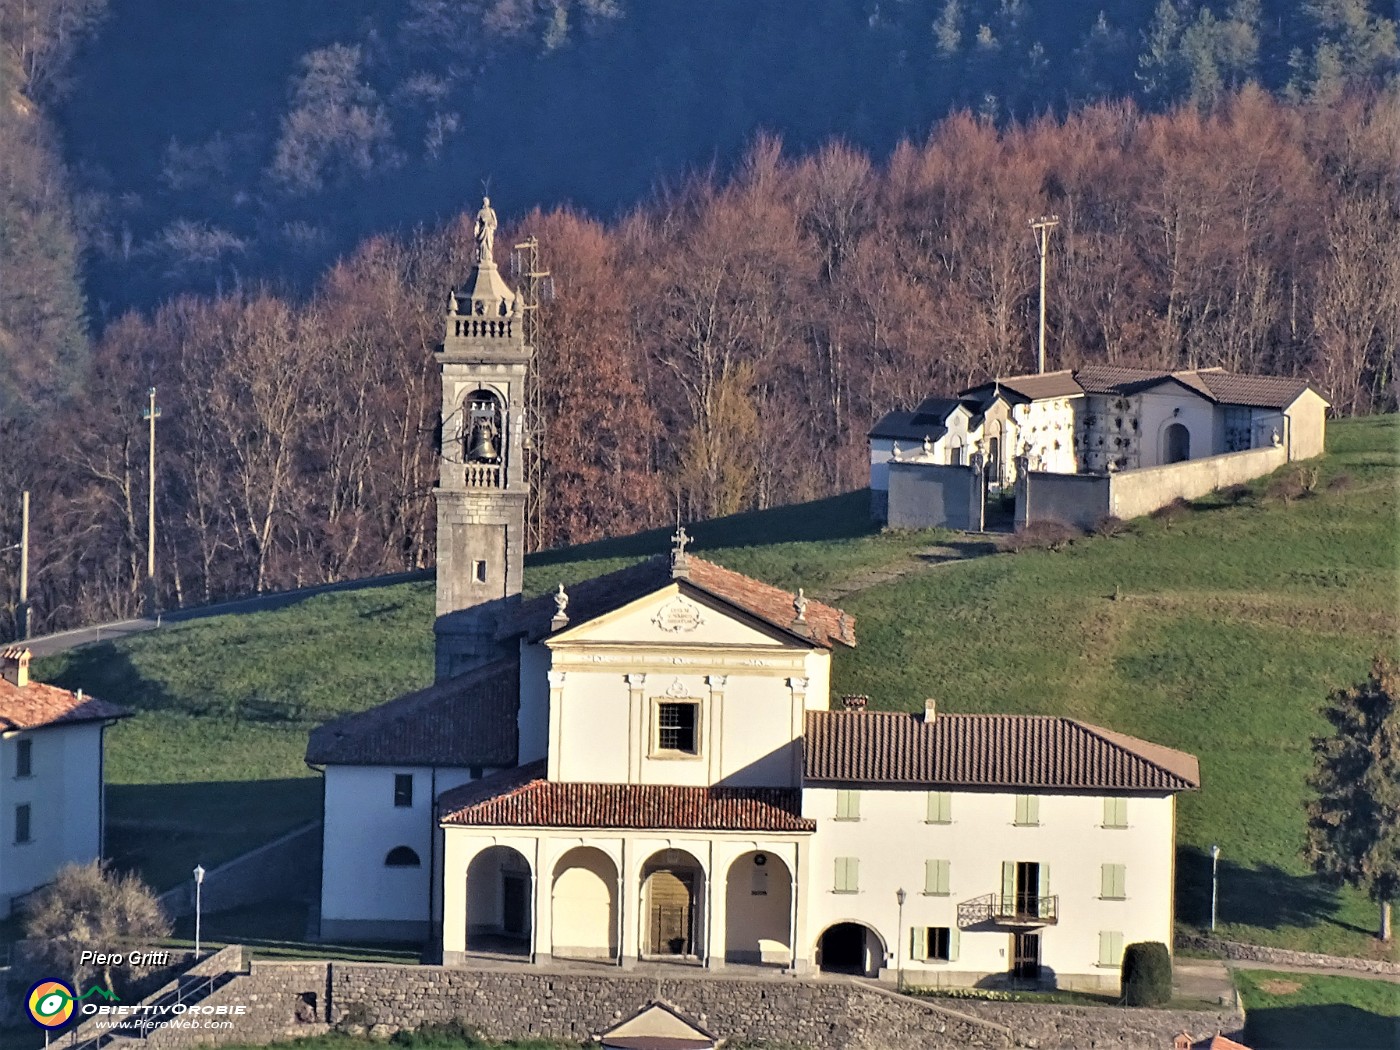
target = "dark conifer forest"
x: 768, y: 223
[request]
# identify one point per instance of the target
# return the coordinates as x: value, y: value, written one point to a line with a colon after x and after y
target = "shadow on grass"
x: 161, y: 831
x: 1320, y: 1027
x: 1265, y: 896
x: 834, y: 518
x: 104, y: 669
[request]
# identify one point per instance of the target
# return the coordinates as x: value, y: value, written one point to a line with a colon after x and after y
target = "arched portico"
x: 583, y: 905
x: 499, y: 901
x: 758, y: 910
x: 851, y: 947
x: 672, y: 903
x: 1176, y: 443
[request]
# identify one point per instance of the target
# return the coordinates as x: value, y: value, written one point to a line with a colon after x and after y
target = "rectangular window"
x: 675, y: 727
x: 24, y: 758
x: 940, y: 807
x: 479, y: 571
x: 1110, y: 948
x: 847, y: 875
x: 22, y: 823
x: 403, y: 789
x: 1114, y: 881
x: 1027, y: 809
x: 1115, y: 812
x: 936, y: 878
x: 940, y: 943
x: 848, y: 805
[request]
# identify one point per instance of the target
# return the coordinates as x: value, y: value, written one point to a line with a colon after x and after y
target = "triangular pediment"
x: 658, y: 1024
x: 678, y: 614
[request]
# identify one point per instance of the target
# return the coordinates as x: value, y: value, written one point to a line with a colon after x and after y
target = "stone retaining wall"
x: 1286, y: 956
x: 286, y: 1000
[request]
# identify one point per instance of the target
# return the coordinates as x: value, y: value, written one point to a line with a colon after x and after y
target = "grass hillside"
x: 1220, y: 631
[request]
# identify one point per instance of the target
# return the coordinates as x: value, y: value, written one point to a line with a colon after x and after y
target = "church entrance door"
x: 670, y: 930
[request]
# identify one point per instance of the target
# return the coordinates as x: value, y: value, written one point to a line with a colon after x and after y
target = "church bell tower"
x: 482, y: 487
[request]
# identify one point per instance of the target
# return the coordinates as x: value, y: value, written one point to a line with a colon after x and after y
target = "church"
x: 649, y: 767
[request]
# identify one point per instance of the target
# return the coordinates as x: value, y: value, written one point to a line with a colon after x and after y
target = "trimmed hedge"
x: 1147, y: 974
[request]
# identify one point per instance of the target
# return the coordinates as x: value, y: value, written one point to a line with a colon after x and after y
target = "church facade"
x: 649, y: 766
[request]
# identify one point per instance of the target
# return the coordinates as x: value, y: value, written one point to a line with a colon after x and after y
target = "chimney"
x: 14, y: 666
x: 854, y: 702
x: 930, y: 710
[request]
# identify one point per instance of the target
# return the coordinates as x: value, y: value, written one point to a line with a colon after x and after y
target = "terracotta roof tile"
x: 36, y: 705
x: 903, y: 426
x: 1025, y: 751
x: 1214, y: 383
x: 1254, y: 391
x: 1031, y: 387
x: 470, y: 720
x: 603, y: 594
x: 523, y: 798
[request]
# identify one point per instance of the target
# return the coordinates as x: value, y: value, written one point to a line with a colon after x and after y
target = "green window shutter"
x: 1008, y: 878
x: 1114, y: 881
x: 1044, y: 879
x: 847, y: 874
x: 848, y: 805
x: 954, y: 939
x: 1027, y: 809
x: 1115, y: 812
x: 1021, y: 808
x: 936, y: 877
x: 1106, y: 880
x: 918, y: 942
x: 1106, y: 948
x: 940, y: 807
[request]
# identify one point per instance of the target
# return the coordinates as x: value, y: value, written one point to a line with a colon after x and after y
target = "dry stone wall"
x: 1287, y: 957
x: 285, y: 1000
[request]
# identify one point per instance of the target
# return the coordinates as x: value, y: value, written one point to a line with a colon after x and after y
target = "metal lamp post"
x: 198, y: 905
x: 899, y: 896
x: 1214, y: 882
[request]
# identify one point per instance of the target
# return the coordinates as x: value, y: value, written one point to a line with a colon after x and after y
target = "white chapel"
x: 648, y: 766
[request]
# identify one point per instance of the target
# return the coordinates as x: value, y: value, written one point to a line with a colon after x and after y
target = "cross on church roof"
x: 678, y: 540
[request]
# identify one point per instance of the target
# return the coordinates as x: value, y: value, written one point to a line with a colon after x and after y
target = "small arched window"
x: 402, y: 857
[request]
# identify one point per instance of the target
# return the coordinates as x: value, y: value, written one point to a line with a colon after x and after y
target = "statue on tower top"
x: 485, y: 231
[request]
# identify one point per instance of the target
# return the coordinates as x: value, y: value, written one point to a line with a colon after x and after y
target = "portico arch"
x: 758, y: 910
x: 851, y: 947
x: 583, y: 905
x: 1176, y: 443
x: 498, y: 901
x: 672, y: 901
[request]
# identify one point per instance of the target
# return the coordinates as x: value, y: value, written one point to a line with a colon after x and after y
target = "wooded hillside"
x: 726, y: 345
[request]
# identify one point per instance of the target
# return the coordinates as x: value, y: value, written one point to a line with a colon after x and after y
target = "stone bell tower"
x: 482, y: 488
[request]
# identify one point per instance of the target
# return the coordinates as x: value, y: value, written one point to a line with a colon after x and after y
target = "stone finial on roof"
x: 928, y: 445
x: 680, y: 569
x: 854, y: 701
x: 799, y: 605
x: 561, y: 602
x: 895, y: 451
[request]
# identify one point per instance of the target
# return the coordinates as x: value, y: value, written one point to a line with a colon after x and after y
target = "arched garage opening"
x: 498, y: 901
x: 851, y: 947
x: 758, y: 910
x: 1176, y: 444
x: 584, y: 905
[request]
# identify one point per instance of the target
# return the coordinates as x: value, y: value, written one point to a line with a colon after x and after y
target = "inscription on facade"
x: 678, y: 615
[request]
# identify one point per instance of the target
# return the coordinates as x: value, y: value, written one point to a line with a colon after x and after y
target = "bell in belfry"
x: 483, y: 445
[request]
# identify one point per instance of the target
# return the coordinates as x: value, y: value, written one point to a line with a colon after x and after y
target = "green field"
x: 1220, y: 632
x: 1293, y: 1011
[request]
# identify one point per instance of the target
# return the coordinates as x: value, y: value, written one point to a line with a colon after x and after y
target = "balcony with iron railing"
x: 1015, y: 910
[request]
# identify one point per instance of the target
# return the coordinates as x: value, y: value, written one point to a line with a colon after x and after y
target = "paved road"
x: 49, y: 644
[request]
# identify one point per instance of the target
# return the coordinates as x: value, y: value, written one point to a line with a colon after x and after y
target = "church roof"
x: 470, y: 720
x: 995, y: 751
x: 824, y: 625
x: 523, y: 798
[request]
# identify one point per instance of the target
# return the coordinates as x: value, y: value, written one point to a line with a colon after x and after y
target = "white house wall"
x: 1161, y: 408
x: 64, y: 793
x: 362, y: 897
x: 892, y: 842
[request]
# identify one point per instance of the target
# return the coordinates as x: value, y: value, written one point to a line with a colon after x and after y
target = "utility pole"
x: 24, y: 566
x: 535, y: 286
x: 151, y: 413
x: 1042, y: 227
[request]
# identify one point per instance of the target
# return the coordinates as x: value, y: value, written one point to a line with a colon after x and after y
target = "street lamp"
x: 1214, y: 882
x: 899, y: 896
x: 198, y: 905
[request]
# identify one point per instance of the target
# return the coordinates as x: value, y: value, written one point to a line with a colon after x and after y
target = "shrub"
x: 1170, y: 513
x: 1236, y: 494
x: 1339, y: 483
x: 1147, y: 974
x: 1286, y: 488
x: 1041, y: 536
x: 1110, y: 525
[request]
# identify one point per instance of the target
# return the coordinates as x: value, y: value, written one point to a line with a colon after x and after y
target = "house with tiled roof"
x: 1094, y: 422
x: 648, y: 766
x: 51, y: 782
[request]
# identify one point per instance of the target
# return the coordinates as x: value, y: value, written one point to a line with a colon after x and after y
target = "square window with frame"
x: 677, y: 726
x: 479, y: 571
x: 403, y: 790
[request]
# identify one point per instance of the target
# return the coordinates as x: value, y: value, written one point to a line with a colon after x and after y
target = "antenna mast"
x: 534, y: 286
